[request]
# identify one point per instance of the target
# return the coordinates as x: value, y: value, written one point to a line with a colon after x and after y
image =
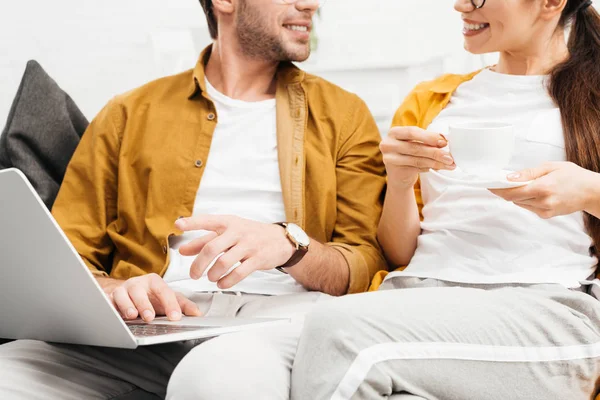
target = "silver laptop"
x: 47, y: 292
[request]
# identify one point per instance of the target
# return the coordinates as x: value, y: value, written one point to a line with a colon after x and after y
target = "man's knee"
x: 231, y: 367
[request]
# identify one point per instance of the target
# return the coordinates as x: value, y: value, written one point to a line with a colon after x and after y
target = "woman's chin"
x: 475, y: 49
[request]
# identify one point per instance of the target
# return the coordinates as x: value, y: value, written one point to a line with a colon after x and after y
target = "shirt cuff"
x: 359, y: 271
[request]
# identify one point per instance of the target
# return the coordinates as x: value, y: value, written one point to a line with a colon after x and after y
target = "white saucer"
x: 491, y: 180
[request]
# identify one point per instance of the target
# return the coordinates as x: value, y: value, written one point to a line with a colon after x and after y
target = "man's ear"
x: 224, y: 6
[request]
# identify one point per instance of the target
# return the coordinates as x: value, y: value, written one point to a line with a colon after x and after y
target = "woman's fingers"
x: 402, y: 153
x: 413, y: 133
x: 418, y: 163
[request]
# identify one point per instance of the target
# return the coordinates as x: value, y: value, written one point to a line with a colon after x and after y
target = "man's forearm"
x: 323, y: 269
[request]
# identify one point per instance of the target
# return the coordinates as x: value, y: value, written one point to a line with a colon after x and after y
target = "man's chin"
x: 297, y: 55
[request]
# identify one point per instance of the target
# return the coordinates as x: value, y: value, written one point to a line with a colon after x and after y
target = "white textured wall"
x: 96, y: 49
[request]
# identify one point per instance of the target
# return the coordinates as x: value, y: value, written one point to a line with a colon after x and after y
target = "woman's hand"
x: 557, y: 188
x: 407, y: 151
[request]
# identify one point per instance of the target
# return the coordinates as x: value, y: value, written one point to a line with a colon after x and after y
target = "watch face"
x: 298, y: 235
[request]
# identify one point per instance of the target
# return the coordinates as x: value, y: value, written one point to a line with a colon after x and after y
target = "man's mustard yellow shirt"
x: 141, y: 161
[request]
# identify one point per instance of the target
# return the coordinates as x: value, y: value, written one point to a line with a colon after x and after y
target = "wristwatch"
x: 299, y: 239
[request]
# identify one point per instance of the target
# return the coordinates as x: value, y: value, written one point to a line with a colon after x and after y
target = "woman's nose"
x: 463, y: 6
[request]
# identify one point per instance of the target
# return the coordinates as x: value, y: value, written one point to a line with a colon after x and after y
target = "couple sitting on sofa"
x: 492, y: 304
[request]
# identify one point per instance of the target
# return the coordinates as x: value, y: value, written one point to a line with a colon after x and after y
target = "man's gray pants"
x: 432, y: 340
x: 246, y: 365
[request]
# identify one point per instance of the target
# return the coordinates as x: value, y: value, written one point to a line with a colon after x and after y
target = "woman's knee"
x: 330, y: 323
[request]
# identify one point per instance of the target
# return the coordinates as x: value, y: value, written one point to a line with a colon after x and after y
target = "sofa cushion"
x: 43, y: 129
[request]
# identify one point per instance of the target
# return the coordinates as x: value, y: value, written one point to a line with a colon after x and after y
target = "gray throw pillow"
x: 43, y: 129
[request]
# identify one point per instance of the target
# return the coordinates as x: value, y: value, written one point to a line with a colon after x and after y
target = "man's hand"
x: 557, y: 188
x: 255, y: 245
x: 147, y: 296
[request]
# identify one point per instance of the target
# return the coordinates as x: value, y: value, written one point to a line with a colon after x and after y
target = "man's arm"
x: 87, y: 201
x: 323, y: 269
x: 360, y: 174
x: 346, y: 264
x: 260, y: 246
x: 87, y: 205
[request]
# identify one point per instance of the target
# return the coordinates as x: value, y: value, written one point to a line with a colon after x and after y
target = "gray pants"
x: 254, y: 364
x: 434, y: 340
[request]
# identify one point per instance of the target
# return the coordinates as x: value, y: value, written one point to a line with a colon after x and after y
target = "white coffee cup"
x: 481, y: 147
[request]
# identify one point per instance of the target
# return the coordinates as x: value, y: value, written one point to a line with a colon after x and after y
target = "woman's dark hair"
x: 207, y: 6
x: 575, y: 87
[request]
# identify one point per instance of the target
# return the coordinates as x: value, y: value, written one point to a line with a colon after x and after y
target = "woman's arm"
x: 407, y: 151
x: 556, y: 188
x: 400, y: 225
x: 593, y: 204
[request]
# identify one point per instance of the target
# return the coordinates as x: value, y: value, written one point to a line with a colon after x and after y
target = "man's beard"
x: 256, y: 41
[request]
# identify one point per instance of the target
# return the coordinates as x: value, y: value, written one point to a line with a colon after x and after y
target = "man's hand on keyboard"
x: 147, y: 296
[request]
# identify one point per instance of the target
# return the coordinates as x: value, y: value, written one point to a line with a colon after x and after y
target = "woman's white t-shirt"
x: 470, y: 235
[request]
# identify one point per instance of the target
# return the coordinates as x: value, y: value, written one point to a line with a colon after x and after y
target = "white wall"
x: 96, y: 49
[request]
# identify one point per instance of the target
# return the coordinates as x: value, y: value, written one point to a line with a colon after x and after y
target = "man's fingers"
x: 124, y: 304
x: 214, y: 223
x: 166, y: 296
x: 139, y: 296
x: 226, y: 262
x: 238, y: 274
x: 210, y: 251
x: 187, y: 306
x: 413, y: 133
x: 195, y: 246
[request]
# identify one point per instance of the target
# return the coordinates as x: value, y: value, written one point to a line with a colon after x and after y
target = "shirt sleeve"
x: 360, y: 177
x: 86, y: 205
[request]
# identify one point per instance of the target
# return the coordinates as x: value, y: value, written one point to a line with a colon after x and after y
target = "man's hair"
x: 207, y: 6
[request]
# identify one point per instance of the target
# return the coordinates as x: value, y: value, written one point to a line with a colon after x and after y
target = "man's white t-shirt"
x: 241, y: 178
x: 470, y: 235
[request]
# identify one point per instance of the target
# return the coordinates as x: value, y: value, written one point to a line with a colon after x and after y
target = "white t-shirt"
x: 472, y: 236
x: 241, y: 178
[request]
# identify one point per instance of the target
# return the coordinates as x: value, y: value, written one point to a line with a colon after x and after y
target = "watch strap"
x: 298, y: 254
x: 296, y: 258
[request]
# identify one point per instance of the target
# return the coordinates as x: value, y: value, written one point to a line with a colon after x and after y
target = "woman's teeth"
x: 475, y: 27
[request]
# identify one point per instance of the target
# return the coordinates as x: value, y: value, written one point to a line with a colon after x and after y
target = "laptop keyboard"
x: 143, y: 330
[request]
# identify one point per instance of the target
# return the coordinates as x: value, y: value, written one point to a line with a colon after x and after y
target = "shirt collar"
x: 449, y: 83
